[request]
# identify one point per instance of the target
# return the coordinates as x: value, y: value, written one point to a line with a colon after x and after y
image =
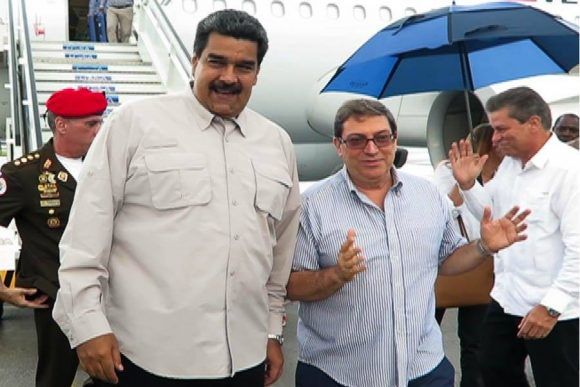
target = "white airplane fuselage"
x: 310, y: 39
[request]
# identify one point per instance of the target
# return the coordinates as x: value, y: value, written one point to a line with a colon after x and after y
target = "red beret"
x: 79, y: 102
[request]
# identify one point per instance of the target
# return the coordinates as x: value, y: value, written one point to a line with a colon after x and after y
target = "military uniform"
x: 37, y: 192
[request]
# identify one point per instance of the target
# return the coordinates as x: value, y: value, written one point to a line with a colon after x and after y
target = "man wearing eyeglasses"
x: 370, y: 244
x: 37, y: 190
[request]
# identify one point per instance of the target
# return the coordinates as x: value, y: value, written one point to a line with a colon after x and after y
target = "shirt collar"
x: 204, y: 117
x: 540, y: 159
x: 396, y: 187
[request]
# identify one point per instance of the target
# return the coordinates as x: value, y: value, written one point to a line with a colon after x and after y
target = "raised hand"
x: 465, y: 164
x: 505, y: 231
x: 350, y: 261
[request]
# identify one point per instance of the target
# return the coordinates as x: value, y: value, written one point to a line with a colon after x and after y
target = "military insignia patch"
x: 3, y: 186
x: 53, y: 222
x: 62, y: 176
x: 47, y: 164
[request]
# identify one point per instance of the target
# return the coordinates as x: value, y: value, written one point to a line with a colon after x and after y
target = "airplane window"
x: 410, y: 11
x: 189, y: 6
x: 385, y: 13
x: 305, y: 10
x: 359, y: 12
x: 249, y: 6
x: 277, y: 8
x: 332, y: 11
x: 219, y: 4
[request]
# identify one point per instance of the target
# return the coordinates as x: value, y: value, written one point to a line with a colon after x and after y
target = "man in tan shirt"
x: 179, y: 247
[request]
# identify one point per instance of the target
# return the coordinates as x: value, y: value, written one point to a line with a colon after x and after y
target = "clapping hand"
x: 350, y: 261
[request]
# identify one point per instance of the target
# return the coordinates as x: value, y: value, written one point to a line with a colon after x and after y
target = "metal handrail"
x: 14, y: 82
x: 163, y: 46
x: 34, y: 135
x: 183, y: 55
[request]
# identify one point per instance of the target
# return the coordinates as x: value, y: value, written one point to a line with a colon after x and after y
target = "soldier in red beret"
x: 37, y: 190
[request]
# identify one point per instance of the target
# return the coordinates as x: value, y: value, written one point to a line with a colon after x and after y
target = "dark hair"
x: 559, y: 119
x: 522, y: 103
x: 362, y: 108
x: 233, y: 23
x: 481, y: 139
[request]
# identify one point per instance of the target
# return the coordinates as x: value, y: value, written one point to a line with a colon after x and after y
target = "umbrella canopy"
x: 459, y: 48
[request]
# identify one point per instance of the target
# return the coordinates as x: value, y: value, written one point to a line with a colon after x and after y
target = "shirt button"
x: 232, y: 171
x: 235, y: 203
x: 232, y: 273
x: 236, y: 237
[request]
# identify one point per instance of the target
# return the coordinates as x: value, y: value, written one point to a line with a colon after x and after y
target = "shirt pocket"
x: 272, y: 188
x: 178, y: 180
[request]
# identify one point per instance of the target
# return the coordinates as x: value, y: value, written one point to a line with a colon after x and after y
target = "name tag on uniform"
x: 50, y: 203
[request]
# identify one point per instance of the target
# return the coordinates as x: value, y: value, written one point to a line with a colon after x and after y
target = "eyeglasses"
x: 358, y: 141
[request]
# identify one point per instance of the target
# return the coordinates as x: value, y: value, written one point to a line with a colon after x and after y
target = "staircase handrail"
x: 30, y: 128
x: 13, y: 137
x: 176, y: 72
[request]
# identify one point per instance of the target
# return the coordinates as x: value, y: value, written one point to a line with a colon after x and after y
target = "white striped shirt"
x: 379, y: 329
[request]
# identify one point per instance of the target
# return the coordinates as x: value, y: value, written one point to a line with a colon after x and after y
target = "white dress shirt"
x: 181, y: 237
x: 544, y: 269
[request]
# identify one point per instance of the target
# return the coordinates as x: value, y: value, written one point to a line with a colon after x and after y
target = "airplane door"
x: 447, y: 122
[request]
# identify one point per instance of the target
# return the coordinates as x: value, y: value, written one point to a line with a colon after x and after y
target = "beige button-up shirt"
x: 181, y: 239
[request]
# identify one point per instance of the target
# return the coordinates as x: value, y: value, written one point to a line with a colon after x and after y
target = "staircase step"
x: 124, y: 88
x: 95, y: 77
x: 51, y: 56
x: 93, y: 67
x: 88, y: 47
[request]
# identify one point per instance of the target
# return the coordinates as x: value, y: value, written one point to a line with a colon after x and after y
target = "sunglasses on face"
x: 358, y: 141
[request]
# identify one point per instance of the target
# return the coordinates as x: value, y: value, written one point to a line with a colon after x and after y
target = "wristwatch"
x: 278, y: 338
x: 553, y: 312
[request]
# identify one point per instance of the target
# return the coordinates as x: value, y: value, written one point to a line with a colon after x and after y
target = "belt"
x: 121, y: 7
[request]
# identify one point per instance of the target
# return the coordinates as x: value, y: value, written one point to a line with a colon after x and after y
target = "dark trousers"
x: 554, y: 359
x: 57, y: 362
x: 469, y: 325
x: 441, y: 376
x: 134, y: 376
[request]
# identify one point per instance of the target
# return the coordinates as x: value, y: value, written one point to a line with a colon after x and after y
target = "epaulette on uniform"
x: 31, y: 158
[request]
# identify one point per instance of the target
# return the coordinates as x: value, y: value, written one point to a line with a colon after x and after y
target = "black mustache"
x: 222, y: 87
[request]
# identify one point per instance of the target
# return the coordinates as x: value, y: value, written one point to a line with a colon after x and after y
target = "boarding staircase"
x: 155, y: 62
x: 119, y: 70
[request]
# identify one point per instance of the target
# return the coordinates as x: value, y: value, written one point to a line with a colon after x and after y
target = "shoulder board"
x: 33, y: 158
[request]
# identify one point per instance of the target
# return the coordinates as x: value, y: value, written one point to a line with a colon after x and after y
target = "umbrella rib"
x: 541, y: 47
x: 384, y: 88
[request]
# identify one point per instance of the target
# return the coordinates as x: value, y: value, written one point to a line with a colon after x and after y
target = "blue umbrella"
x: 459, y: 48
